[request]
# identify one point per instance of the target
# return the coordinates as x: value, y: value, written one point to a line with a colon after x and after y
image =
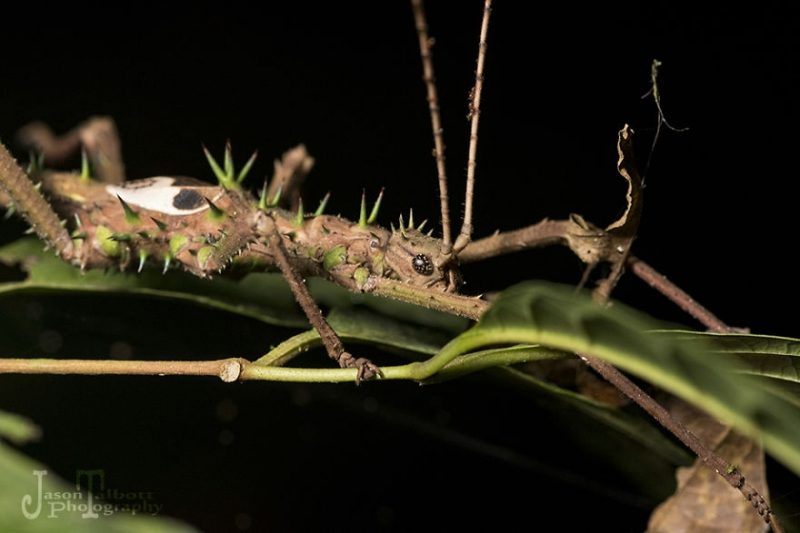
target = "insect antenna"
x: 425, y: 43
x: 465, y: 235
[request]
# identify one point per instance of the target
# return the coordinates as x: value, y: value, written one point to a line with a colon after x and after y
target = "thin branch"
x: 226, y: 369
x: 425, y: 43
x: 237, y: 369
x: 454, y: 368
x: 465, y: 234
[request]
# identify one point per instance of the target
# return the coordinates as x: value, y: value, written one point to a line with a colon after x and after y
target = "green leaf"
x: 538, y: 313
x: 263, y: 296
x: 20, y: 494
x: 530, y: 314
x: 766, y: 356
x: 361, y: 326
x: 259, y: 296
x: 18, y: 429
x: 636, y: 428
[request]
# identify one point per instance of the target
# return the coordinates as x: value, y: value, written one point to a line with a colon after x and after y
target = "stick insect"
x: 175, y: 222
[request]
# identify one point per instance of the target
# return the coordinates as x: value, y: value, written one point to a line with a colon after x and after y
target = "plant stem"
x: 237, y: 369
x: 226, y: 369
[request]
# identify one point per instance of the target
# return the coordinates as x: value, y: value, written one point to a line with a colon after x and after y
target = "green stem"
x: 234, y: 369
x: 299, y: 375
x: 452, y: 367
x: 497, y: 357
x: 291, y: 348
x: 458, y: 366
x: 226, y: 369
x: 462, y: 344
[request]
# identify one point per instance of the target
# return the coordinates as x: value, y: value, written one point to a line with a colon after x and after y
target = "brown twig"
x: 425, y: 43
x: 465, y: 234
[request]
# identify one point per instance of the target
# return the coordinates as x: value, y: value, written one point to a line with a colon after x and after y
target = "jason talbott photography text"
x: 94, y: 501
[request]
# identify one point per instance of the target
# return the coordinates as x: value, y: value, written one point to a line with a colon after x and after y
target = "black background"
x: 344, y: 78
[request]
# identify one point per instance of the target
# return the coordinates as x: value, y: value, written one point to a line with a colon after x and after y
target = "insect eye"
x: 422, y: 264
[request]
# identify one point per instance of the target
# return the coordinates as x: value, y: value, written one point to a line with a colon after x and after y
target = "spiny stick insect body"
x: 109, y: 223
x: 203, y: 228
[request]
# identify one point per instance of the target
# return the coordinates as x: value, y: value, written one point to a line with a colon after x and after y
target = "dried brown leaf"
x: 703, y: 502
x: 628, y: 224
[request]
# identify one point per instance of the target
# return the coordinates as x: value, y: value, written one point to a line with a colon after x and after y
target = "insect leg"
x: 333, y: 344
x: 97, y: 136
x: 289, y: 173
x: 32, y: 206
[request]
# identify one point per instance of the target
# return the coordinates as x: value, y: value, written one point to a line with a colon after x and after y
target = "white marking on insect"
x: 167, y: 195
